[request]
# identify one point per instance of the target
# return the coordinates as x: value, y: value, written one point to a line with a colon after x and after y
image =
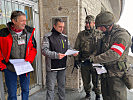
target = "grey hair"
x: 16, y: 14
x: 58, y: 20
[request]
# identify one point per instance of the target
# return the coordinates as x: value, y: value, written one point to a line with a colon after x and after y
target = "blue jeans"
x: 11, y: 83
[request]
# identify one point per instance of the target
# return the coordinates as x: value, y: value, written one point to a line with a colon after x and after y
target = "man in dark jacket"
x: 16, y: 42
x: 54, y: 46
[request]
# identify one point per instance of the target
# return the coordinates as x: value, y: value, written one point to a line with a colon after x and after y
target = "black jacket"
x: 54, y: 43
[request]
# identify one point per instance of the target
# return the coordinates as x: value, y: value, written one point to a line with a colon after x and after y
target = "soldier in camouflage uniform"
x: 87, y: 42
x: 114, y: 52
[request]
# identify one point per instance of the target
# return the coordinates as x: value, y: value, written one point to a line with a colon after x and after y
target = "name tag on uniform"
x: 21, y: 42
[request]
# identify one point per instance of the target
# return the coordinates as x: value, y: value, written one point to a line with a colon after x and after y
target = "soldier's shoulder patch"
x: 118, y: 48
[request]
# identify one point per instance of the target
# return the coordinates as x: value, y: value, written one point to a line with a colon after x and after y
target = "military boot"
x: 88, y: 96
x: 97, y: 97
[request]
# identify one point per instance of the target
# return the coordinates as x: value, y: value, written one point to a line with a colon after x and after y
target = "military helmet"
x: 89, y: 18
x: 104, y: 19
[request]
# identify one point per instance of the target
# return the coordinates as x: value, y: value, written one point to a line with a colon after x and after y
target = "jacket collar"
x: 11, y: 29
x: 55, y: 32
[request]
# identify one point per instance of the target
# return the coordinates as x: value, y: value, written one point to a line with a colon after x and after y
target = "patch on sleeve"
x: 119, y: 48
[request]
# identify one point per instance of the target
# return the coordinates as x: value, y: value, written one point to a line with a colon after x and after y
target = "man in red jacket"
x: 16, y: 42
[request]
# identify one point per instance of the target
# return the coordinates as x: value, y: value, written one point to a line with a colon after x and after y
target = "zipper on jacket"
x: 63, y: 44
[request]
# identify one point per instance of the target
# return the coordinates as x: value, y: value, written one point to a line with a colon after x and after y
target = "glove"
x: 76, y: 64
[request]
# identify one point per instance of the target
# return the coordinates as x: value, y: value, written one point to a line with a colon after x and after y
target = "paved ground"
x: 70, y: 95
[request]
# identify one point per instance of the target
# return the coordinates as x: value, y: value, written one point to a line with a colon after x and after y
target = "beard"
x: 89, y: 29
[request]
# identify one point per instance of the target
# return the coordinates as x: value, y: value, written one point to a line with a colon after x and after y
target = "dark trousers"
x: 11, y: 83
x: 89, y: 73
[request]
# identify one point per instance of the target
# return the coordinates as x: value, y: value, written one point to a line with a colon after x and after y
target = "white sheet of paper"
x: 21, y: 66
x: 70, y: 52
x: 99, y: 70
x: 96, y: 65
x: 131, y: 90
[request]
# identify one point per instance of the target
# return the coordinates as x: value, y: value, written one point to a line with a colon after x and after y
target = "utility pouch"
x: 10, y: 67
x: 121, y: 65
x: 127, y: 77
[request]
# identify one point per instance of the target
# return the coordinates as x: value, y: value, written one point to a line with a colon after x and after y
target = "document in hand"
x: 21, y: 66
x: 70, y: 52
x: 99, y: 68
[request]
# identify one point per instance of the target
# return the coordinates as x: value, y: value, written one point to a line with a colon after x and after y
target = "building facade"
x: 40, y: 14
x: 74, y: 13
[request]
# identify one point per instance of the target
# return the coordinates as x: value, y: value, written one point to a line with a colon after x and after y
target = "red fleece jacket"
x: 6, y: 45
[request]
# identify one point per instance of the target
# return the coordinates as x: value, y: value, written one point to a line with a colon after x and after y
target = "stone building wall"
x: 74, y: 12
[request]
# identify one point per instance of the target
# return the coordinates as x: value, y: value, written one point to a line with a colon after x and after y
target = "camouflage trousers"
x: 113, y: 88
x: 89, y: 73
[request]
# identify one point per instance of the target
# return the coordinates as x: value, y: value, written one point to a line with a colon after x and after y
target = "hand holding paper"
x: 21, y: 66
x: 61, y: 55
x: 99, y: 68
x: 70, y: 52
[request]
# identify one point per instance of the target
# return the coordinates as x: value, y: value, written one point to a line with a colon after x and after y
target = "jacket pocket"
x: 121, y: 65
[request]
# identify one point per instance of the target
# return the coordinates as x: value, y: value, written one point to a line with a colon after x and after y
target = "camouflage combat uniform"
x: 88, y: 43
x: 115, y: 48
